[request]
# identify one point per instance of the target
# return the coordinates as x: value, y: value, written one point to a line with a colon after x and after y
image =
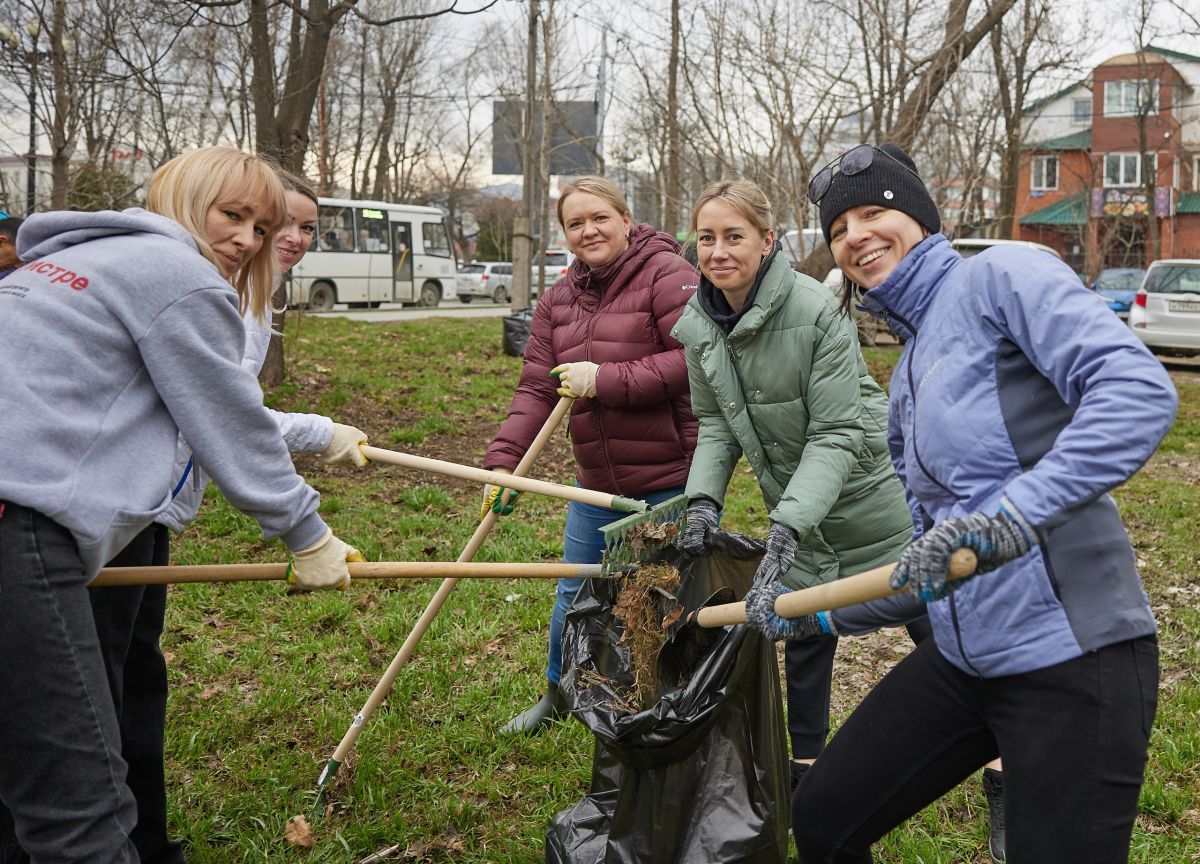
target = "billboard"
x: 572, y: 143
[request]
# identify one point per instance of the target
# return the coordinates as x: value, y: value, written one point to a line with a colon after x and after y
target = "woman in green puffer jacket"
x: 777, y: 376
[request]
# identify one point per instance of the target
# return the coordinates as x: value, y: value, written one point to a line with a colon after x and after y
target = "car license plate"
x: 1182, y: 306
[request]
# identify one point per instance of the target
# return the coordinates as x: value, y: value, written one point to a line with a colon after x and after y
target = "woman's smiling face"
x: 729, y: 249
x: 869, y: 242
x: 596, y: 232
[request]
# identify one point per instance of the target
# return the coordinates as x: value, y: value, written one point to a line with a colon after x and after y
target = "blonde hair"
x: 744, y: 196
x: 187, y: 186
x: 297, y: 183
x: 601, y: 187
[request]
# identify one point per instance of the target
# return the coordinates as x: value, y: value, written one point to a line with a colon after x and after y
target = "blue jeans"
x: 584, y: 544
x: 62, y: 778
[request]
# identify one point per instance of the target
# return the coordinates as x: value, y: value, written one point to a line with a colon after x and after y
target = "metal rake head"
x: 626, y: 539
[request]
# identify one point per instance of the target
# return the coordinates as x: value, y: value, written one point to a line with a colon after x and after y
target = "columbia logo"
x: 689, y: 287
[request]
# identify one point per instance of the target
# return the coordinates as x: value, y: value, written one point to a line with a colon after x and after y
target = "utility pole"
x: 31, y: 156
x: 671, y: 216
x: 543, y: 212
x: 601, y: 97
x: 522, y: 253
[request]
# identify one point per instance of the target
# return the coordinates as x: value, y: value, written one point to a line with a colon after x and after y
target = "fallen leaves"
x: 299, y: 832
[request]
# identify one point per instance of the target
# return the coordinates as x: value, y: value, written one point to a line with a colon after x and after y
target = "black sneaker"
x: 993, y: 790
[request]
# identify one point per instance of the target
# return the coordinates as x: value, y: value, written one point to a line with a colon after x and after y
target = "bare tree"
x: 962, y: 140
x: 1024, y: 48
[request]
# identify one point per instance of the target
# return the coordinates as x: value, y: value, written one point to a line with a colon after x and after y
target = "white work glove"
x: 491, y: 498
x: 576, y: 379
x: 345, y: 447
x: 323, y: 565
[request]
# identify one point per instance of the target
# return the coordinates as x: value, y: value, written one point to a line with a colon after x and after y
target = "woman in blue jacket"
x: 1018, y: 403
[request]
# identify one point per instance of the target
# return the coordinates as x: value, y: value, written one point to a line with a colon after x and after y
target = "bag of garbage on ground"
x: 690, y: 759
x: 516, y: 331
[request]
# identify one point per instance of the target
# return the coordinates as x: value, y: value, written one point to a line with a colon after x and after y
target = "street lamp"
x: 30, y: 58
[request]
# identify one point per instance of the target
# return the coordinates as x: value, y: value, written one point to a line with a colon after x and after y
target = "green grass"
x: 264, y: 684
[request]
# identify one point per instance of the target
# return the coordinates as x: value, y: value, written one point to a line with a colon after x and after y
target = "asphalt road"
x: 397, y: 312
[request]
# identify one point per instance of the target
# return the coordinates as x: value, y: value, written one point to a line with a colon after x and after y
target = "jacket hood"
x: 46, y: 233
x: 903, y: 299
x: 644, y: 242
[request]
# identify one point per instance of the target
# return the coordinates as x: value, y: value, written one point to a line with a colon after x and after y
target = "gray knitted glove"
x: 702, y: 517
x: 994, y: 539
x: 760, y: 599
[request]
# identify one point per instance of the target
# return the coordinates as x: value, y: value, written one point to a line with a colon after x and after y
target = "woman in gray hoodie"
x: 121, y: 336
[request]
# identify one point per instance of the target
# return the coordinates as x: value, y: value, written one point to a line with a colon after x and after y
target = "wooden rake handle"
x: 510, y: 481
x: 175, y: 575
x: 860, y: 588
x: 346, y: 745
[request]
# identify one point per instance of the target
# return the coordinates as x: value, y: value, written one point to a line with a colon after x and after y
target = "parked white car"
x: 557, y: 262
x: 491, y: 279
x: 1165, y: 313
x: 968, y: 246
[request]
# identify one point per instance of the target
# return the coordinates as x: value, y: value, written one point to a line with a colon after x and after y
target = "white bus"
x: 368, y: 252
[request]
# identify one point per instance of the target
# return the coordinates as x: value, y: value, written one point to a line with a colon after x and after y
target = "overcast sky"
x: 639, y: 26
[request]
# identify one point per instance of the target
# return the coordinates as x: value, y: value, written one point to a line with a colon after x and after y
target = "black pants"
x: 129, y: 623
x: 1073, y: 737
x: 62, y: 779
x: 808, y: 668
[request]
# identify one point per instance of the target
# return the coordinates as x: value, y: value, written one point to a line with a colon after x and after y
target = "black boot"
x: 533, y: 720
x: 993, y: 790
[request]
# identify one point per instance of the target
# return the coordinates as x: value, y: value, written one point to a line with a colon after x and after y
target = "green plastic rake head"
x: 626, y: 540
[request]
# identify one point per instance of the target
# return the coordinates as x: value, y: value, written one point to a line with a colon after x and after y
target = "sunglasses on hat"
x: 854, y: 161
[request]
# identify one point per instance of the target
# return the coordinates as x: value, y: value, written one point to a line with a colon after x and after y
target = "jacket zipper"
x: 587, y: 355
x: 912, y: 389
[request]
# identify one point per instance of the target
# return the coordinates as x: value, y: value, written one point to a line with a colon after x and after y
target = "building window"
x: 1125, y: 169
x: 1127, y: 98
x: 1081, y: 112
x: 1043, y: 173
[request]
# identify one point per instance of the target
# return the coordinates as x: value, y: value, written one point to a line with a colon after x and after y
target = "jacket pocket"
x: 815, y: 564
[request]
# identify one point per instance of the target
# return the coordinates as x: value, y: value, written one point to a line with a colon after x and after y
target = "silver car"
x: 1165, y: 313
x: 490, y: 279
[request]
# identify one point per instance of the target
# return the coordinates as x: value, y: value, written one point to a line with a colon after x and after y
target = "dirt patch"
x: 1177, y: 466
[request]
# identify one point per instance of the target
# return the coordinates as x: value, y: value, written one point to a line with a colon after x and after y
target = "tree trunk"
x: 957, y: 45
x: 671, y: 215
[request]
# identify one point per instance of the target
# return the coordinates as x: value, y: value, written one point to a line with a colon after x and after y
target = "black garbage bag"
x: 516, y: 331
x: 701, y: 775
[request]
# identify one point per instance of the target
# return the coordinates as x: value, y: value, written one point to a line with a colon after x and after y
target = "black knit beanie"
x: 891, y: 181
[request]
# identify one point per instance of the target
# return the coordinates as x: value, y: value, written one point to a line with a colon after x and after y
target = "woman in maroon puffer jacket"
x: 604, y: 331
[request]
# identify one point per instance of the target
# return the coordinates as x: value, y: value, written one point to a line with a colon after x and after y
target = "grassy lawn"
x: 264, y: 684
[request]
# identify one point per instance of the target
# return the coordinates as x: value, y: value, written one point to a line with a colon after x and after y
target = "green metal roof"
x: 1167, y: 52
x: 1189, y: 202
x: 1075, y: 141
x: 1067, y: 212
x: 1038, y: 103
